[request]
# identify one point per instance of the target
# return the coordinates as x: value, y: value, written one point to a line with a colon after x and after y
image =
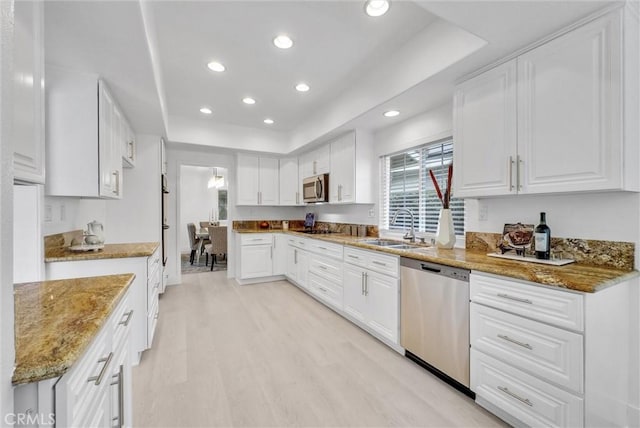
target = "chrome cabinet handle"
x: 323, y: 289
x: 322, y: 248
x: 126, y: 321
x: 514, y: 341
x: 339, y: 192
x: 366, y: 284
x: 362, y: 285
x: 295, y: 256
x: 271, y: 252
x: 517, y: 299
x: 520, y: 162
x: 116, y: 177
x: 130, y: 145
x: 322, y: 267
x: 314, y: 167
x: 297, y: 198
x: 516, y: 396
x: 353, y: 257
x: 375, y: 262
x: 117, y: 381
x: 510, y: 165
x: 106, y: 361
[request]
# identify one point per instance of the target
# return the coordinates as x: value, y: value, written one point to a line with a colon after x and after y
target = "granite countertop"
x: 110, y: 251
x: 55, y: 321
x: 576, y: 277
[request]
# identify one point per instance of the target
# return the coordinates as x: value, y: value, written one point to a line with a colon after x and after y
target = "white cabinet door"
x: 115, y: 152
x: 268, y: 181
x: 484, y: 134
x: 279, y: 254
x: 289, y: 182
x: 256, y: 261
x: 316, y: 162
x: 303, y: 268
x: 248, y: 180
x: 381, y: 292
x: 355, y: 304
x: 343, y: 169
x: 292, y: 263
x: 569, y: 111
x: 28, y: 92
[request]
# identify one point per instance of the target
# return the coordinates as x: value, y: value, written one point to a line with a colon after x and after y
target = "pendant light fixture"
x: 216, y: 180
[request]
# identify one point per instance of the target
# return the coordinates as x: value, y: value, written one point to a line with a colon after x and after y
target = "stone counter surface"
x: 576, y: 277
x: 110, y: 251
x: 55, y: 321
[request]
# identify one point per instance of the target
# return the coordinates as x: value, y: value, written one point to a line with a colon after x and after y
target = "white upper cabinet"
x: 554, y: 119
x: 28, y: 92
x: 351, y: 180
x: 128, y: 146
x: 485, y: 133
x: 289, y: 182
x: 258, y: 180
x: 316, y: 162
x: 84, y: 153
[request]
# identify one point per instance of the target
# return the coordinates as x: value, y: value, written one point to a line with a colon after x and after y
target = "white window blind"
x: 406, y: 184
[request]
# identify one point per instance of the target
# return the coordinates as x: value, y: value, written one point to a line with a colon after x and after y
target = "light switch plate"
x: 483, y: 211
x: 371, y: 213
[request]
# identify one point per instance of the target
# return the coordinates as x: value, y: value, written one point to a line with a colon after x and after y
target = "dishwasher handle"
x: 429, y: 268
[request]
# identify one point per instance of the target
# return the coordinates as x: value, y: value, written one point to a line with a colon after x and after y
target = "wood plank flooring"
x: 270, y: 355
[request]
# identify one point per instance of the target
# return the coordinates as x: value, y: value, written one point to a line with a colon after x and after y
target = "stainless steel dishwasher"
x: 434, y: 318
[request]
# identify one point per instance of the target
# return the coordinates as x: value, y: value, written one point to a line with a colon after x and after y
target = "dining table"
x: 201, y: 234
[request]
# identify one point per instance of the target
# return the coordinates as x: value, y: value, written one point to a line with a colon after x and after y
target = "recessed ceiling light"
x: 206, y: 110
x: 216, y: 66
x: 248, y: 100
x: 391, y: 113
x: 376, y: 7
x: 283, y: 41
x: 268, y: 121
x: 302, y: 87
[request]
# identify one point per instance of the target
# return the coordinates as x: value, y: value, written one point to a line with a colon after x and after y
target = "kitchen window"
x: 406, y: 184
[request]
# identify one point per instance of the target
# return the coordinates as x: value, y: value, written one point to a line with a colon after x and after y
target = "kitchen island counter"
x: 55, y: 321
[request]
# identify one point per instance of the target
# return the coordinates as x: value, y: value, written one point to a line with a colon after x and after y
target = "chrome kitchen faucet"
x: 410, y: 235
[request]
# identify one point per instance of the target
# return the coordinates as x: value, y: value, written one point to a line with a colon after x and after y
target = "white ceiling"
x: 154, y: 55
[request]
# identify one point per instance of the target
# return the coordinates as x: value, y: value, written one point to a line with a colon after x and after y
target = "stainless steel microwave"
x: 316, y: 188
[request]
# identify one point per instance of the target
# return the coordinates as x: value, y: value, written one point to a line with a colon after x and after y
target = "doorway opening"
x: 204, y: 218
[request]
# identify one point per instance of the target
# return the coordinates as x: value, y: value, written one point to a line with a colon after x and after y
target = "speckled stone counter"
x: 55, y: 322
x: 110, y: 251
x: 577, y: 277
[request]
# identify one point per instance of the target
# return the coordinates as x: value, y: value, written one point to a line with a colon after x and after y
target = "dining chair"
x: 194, y: 241
x: 204, y: 225
x: 218, y: 246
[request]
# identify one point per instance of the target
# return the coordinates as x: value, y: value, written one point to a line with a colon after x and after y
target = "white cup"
x: 285, y: 225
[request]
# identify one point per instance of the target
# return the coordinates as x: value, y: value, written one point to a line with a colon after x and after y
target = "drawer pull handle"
x: 375, y: 262
x: 323, y: 248
x: 516, y: 396
x: 517, y: 299
x: 126, y: 321
x: 323, y: 289
x: 322, y: 267
x: 517, y: 342
x: 106, y: 361
x: 353, y: 257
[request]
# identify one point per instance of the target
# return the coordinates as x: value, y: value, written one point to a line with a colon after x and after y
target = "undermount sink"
x: 383, y: 242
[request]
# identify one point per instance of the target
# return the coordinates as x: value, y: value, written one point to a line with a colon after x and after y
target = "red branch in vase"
x: 446, y: 198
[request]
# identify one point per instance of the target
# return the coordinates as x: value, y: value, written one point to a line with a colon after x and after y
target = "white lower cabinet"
x: 143, y: 291
x: 96, y: 391
x: 297, y: 261
x: 370, y: 297
x: 325, y: 280
x: 263, y: 257
x: 544, y: 356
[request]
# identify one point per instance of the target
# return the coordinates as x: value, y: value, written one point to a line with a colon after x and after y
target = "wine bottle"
x: 542, y: 236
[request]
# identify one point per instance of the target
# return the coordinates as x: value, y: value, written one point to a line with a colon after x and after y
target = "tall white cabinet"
x: 351, y: 179
x: 290, y: 184
x: 28, y: 92
x: 516, y: 125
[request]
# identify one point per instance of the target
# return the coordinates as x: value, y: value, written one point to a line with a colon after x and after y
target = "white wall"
x: 136, y: 217
x: 7, y: 350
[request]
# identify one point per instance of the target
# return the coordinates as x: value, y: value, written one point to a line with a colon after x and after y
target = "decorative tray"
x: 532, y: 259
x: 86, y: 247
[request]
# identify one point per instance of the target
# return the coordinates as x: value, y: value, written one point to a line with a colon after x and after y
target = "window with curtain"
x: 406, y: 183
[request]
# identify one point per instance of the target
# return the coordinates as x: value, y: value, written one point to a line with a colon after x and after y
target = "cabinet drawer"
x: 326, y: 248
x: 153, y: 288
x: 549, y: 352
x: 326, y: 290
x: 297, y: 241
x: 153, y: 262
x: 532, y: 401
x: 122, y: 320
x: 326, y: 268
x: 373, y: 260
x: 560, y: 308
x: 256, y: 239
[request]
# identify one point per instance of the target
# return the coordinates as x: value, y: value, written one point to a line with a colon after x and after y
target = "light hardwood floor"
x: 270, y: 355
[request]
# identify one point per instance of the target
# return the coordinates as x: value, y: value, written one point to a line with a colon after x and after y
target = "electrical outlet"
x: 371, y: 213
x: 48, y: 213
x: 483, y: 211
